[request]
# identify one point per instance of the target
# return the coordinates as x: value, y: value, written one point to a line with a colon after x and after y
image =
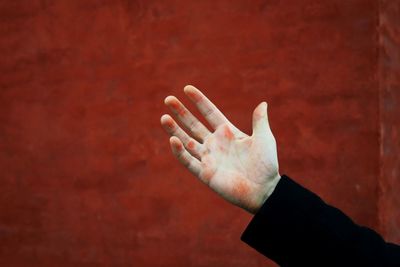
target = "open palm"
x: 243, y: 169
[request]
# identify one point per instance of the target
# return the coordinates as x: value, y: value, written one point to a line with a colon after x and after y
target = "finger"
x: 197, y: 129
x: 173, y: 129
x: 260, y: 120
x: 212, y: 114
x: 187, y: 160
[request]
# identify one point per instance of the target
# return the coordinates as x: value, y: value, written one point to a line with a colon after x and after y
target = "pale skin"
x: 242, y: 168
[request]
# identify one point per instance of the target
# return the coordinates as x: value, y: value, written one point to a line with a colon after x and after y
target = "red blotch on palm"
x: 191, y: 144
x: 240, y: 189
x: 228, y: 133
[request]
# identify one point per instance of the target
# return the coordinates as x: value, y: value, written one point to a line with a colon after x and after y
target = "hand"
x: 242, y: 169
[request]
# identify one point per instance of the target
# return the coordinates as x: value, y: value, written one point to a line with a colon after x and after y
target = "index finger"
x: 211, y: 113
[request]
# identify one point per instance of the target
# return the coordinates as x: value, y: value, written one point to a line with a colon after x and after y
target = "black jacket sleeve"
x: 295, y: 227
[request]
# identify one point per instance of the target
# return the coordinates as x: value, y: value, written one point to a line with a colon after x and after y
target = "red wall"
x: 87, y: 178
x: 389, y: 100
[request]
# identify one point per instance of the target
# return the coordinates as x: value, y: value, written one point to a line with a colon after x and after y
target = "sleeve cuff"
x: 283, y: 216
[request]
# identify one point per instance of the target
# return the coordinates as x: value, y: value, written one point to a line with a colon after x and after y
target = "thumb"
x: 260, y: 120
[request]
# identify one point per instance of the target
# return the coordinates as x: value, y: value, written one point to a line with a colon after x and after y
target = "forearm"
x: 295, y: 227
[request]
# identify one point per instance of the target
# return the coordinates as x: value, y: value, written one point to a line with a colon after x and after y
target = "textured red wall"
x: 87, y: 178
x: 389, y: 77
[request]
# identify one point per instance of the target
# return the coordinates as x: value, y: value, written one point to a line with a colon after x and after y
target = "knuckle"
x: 175, y: 132
x: 209, y: 113
x: 194, y: 125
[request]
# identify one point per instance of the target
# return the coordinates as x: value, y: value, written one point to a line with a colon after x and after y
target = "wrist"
x: 269, y: 189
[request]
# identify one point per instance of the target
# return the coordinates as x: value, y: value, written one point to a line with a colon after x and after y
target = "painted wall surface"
x: 389, y: 78
x: 87, y: 177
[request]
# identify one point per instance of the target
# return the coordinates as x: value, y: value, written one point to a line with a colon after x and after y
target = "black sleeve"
x: 295, y: 227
